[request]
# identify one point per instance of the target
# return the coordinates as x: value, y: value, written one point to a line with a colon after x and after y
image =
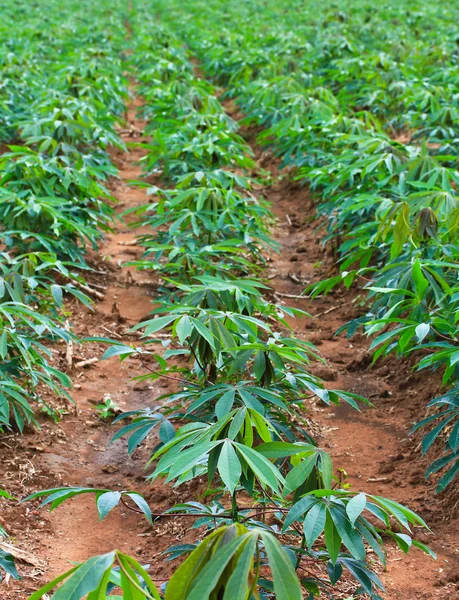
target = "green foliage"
x: 328, y: 99
x: 369, y: 122
x: 95, y: 578
x: 107, y: 409
x: 61, y: 98
x: 6, y: 559
x: 445, y: 417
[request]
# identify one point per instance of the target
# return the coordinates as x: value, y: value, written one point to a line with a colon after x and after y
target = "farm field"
x: 229, y: 300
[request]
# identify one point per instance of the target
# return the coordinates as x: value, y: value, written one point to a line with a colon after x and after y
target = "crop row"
x: 62, y: 94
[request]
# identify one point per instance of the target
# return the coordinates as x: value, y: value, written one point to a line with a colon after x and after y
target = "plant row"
x: 62, y: 95
x: 279, y: 523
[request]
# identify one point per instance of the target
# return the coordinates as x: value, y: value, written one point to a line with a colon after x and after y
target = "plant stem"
x: 234, y: 508
x: 303, y: 546
x: 185, y: 381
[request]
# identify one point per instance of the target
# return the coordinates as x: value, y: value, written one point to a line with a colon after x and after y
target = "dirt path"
x: 88, y: 458
x: 372, y: 446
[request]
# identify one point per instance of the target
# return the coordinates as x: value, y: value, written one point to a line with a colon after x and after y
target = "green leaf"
x: 350, y: 536
x: 448, y: 477
x: 118, y: 350
x: 286, y: 584
x: 106, y: 502
x: 56, y: 291
x: 85, y: 579
x: 298, y: 475
x: 225, y: 404
x: 203, y: 331
x: 187, y: 459
x: 430, y: 438
x: 424, y: 548
x: 401, y: 229
x: 355, y: 507
x: 124, y: 558
x: 259, y: 364
x: 326, y: 469
x: 229, y: 466
x: 155, y: 324
x: 142, y: 504
x: 236, y: 423
x: 421, y: 331
x: 210, y: 574
x: 332, y: 538
x: 298, y: 510
x: 239, y: 585
x: 3, y: 344
x: 166, y: 431
x: 283, y: 449
x: 182, y: 579
x: 421, y: 284
x: 7, y: 564
x: 38, y: 595
x: 314, y: 523
x: 264, y: 471
x: 184, y: 328
x: 403, y: 541
x: 334, y: 572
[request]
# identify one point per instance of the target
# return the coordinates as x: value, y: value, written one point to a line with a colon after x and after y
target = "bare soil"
x: 373, y: 446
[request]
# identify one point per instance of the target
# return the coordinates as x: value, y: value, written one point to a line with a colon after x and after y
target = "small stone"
x: 110, y: 469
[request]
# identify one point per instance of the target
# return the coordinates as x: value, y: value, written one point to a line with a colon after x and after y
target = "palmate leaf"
x: 106, y: 500
x: 338, y: 514
x: 450, y: 403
